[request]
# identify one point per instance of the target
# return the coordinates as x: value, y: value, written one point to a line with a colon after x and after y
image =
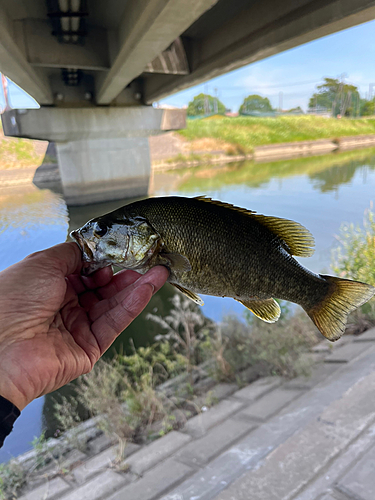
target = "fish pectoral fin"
x: 177, y: 262
x: 190, y: 295
x: 268, y: 309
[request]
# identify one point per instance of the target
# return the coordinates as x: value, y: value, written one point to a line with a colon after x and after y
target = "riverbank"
x: 246, y: 133
x: 274, y: 152
x: 221, y: 139
x: 307, y: 435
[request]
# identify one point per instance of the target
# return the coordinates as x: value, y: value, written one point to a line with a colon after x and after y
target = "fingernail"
x: 139, y: 283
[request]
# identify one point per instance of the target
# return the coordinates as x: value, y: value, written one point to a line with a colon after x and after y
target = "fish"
x: 215, y: 248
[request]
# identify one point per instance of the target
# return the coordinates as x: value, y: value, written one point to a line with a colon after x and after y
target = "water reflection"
x: 319, y: 192
x: 333, y: 170
x: 30, y: 219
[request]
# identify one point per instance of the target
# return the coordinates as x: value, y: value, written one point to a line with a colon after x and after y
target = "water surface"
x: 320, y: 192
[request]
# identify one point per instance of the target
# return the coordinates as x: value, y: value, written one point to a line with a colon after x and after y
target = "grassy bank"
x: 245, y: 133
x: 20, y: 153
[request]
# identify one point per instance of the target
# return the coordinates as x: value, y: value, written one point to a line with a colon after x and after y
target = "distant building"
x: 231, y: 114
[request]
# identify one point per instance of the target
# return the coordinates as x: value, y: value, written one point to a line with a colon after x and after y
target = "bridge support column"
x: 103, y: 153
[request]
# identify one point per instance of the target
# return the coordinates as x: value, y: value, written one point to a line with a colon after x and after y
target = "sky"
x: 295, y: 73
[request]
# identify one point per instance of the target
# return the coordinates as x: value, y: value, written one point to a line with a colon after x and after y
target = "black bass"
x: 218, y: 249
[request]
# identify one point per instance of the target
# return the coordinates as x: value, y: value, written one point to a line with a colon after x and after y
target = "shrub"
x: 12, y: 478
x: 275, y: 349
x: 354, y: 258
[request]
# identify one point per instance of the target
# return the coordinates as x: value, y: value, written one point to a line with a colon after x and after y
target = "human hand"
x: 55, y: 324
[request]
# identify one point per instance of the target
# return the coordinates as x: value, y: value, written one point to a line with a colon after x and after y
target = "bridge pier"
x: 103, y: 153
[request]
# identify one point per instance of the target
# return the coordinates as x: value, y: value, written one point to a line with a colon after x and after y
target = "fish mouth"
x: 84, y: 246
x: 87, y: 248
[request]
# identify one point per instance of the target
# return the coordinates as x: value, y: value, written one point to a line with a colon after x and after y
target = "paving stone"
x: 155, y: 482
x: 72, y: 458
x: 319, y: 373
x: 255, y: 449
x: 100, y: 444
x: 298, y: 460
x: 359, y: 481
x: 327, y: 496
x: 366, y: 336
x: 152, y: 454
x: 201, y: 451
x: 339, y: 466
x: 269, y: 404
x: 347, y: 352
x: 221, y: 391
x: 200, y: 424
x: 326, y: 346
x: 100, y: 462
x: 101, y: 486
x: 258, y: 388
x: 48, y: 490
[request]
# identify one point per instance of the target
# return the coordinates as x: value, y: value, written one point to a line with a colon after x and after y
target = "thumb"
x: 65, y: 258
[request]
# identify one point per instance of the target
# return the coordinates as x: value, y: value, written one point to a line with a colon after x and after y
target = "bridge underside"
x: 125, y: 54
x: 93, y: 53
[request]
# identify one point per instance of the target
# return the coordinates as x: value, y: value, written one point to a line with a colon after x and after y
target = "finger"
x: 120, y: 280
x: 65, y: 258
x: 75, y: 281
x: 89, y: 300
x: 109, y: 325
x: 98, y: 279
x: 156, y: 276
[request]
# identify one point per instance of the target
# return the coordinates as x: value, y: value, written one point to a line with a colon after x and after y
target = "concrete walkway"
x: 306, y: 439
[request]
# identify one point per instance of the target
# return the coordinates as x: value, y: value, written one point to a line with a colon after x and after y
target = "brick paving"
x: 304, y: 439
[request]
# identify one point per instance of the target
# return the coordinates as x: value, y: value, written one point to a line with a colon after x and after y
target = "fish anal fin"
x: 267, y: 310
x: 190, y: 295
x: 298, y: 240
x: 176, y: 262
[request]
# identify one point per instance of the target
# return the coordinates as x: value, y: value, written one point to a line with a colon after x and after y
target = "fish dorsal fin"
x: 225, y: 205
x: 267, y: 310
x: 190, y: 295
x: 298, y: 240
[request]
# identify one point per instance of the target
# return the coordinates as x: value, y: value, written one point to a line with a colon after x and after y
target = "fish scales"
x: 217, y: 249
x: 230, y: 253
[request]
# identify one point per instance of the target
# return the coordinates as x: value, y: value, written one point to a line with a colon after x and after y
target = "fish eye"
x: 100, y: 229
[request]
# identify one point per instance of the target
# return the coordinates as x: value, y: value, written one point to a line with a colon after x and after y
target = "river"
x: 319, y: 192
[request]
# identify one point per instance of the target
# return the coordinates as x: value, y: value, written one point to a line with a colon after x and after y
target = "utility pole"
x: 280, y: 101
x: 207, y: 110
x: 370, y: 91
x: 216, y: 106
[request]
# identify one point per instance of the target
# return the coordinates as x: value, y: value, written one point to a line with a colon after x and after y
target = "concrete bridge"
x: 96, y: 66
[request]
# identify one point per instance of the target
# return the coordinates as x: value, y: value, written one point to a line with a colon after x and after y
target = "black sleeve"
x: 8, y: 415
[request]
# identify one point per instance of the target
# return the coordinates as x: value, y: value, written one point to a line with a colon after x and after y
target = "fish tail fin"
x: 331, y: 313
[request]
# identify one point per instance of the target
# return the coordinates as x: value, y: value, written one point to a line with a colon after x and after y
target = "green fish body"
x: 217, y: 249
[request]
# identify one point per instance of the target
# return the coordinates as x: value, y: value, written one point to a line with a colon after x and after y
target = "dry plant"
x: 186, y: 329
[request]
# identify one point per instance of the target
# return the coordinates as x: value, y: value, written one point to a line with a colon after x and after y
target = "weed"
x: 354, y: 258
x: 12, y: 477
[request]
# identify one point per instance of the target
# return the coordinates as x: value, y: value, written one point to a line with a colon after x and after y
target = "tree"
x: 204, y: 104
x: 255, y: 103
x: 336, y: 96
x: 298, y: 110
x: 367, y: 107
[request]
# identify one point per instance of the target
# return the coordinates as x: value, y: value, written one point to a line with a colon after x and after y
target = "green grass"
x: 249, y: 132
x: 19, y: 151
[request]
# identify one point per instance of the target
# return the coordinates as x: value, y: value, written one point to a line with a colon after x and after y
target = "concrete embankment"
x: 272, y: 152
x: 303, y: 439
